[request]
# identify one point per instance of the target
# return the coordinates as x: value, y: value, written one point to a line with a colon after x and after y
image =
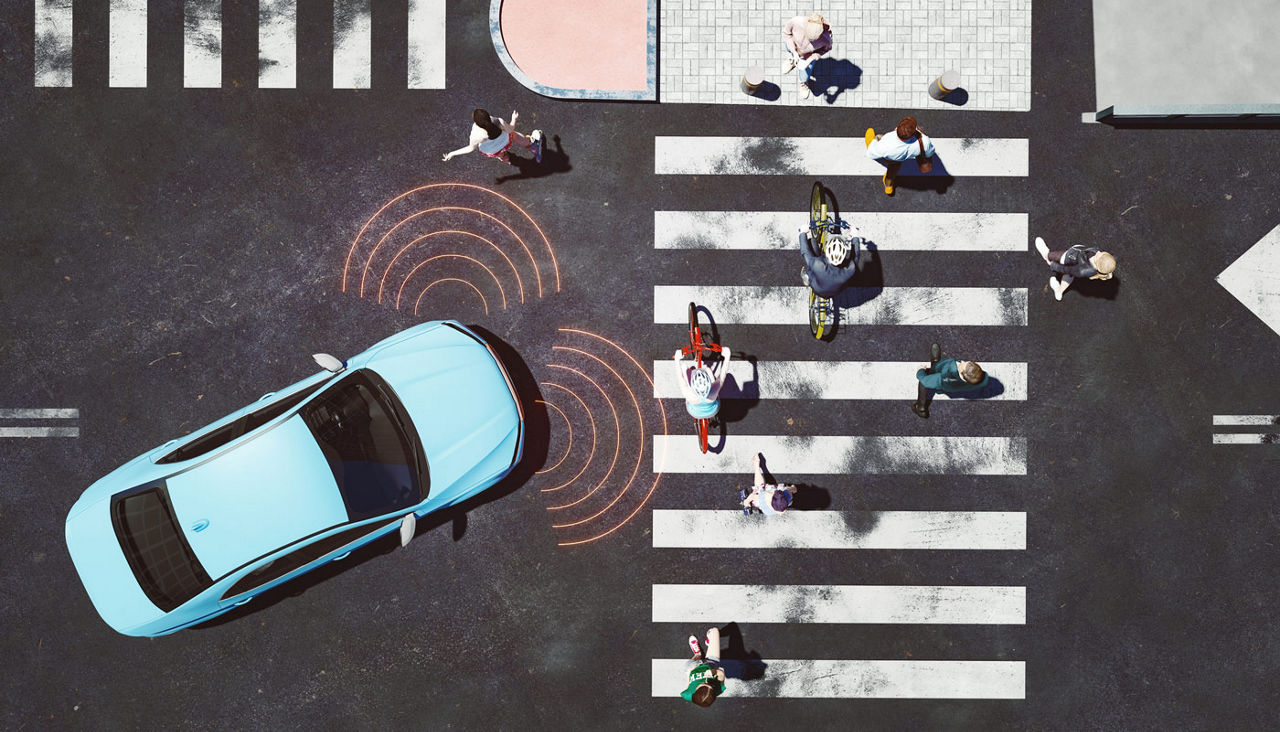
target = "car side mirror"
x: 408, y: 526
x: 328, y: 363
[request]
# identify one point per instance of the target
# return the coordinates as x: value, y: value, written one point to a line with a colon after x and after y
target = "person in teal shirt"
x: 705, y: 676
x: 945, y: 375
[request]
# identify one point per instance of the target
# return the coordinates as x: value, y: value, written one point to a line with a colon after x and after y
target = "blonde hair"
x: 1104, y: 263
x: 971, y: 372
x: 814, y: 28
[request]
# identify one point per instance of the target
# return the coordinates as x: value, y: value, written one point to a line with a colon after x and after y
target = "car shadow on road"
x: 536, y: 442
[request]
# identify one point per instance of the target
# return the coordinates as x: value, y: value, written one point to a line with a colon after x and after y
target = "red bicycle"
x: 699, y: 342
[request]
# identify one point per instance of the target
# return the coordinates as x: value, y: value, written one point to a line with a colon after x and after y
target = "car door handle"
x: 242, y: 602
x: 343, y: 555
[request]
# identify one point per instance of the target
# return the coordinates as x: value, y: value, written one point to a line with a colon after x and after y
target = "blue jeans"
x: 804, y: 67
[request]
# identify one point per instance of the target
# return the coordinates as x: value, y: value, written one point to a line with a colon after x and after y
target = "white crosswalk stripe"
x: 898, y: 530
x: 890, y: 232
x: 834, y: 455
x: 894, y: 380
x: 829, y: 156
x: 906, y: 604
x: 829, y: 679
x: 202, y: 43
x: 789, y: 305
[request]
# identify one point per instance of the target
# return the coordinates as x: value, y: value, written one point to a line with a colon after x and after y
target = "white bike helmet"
x: 701, y: 381
x: 837, y: 250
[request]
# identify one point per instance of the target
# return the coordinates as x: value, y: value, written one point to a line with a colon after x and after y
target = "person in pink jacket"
x: 806, y: 39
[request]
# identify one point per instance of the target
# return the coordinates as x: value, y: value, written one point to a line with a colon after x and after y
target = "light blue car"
x: 201, y: 524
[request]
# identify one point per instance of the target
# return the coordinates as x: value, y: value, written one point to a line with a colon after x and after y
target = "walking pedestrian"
x: 1077, y: 261
x: 807, y: 38
x: 705, y: 675
x: 770, y: 498
x: 493, y: 136
x: 945, y: 375
x: 908, y: 141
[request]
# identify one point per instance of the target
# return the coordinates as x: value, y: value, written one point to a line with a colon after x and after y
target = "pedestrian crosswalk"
x: 203, y: 39
x: 968, y: 468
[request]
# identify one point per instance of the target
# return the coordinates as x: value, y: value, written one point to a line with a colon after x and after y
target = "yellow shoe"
x: 888, y: 189
x: 870, y: 136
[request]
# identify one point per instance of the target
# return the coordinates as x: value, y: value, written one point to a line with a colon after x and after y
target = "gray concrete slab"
x: 1182, y: 54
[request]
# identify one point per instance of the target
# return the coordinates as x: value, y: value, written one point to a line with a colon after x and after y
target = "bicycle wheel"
x: 703, y: 426
x: 695, y: 334
x: 821, y: 315
x: 816, y: 214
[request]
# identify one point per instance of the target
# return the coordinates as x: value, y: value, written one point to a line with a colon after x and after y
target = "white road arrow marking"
x: 1254, y: 279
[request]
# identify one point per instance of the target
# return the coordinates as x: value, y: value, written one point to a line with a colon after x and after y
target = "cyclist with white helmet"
x: 827, y: 272
x: 701, y: 385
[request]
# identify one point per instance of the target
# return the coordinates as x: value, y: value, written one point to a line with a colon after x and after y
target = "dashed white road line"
x: 53, y: 41
x: 1246, y: 419
x: 829, y: 156
x: 39, y: 431
x: 127, y: 43
x: 895, y: 530
x: 1245, y: 438
x: 352, y: 44
x: 39, y: 413
x: 891, y: 380
x: 835, y: 679
x: 202, y: 44
x: 426, y: 44
x: 898, y: 604
x: 889, y: 231
x: 789, y: 305
x: 789, y: 455
x: 277, y: 44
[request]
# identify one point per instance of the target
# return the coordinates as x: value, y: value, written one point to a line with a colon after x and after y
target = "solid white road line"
x: 277, y: 44
x: 39, y: 431
x: 127, y: 43
x: 1244, y: 438
x: 790, y: 455
x: 426, y: 44
x: 39, y: 413
x: 352, y: 44
x: 896, y: 604
x: 834, y: 679
x: 53, y: 28
x: 202, y: 44
x: 898, y: 231
x: 896, y: 530
x: 829, y: 156
x: 1246, y: 419
x: 788, y: 305
x: 833, y: 380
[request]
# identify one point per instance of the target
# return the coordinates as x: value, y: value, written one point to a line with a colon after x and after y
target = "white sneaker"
x: 805, y: 91
x: 1057, y: 291
x: 1043, y: 249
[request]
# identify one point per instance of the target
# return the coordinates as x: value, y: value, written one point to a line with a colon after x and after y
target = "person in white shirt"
x: 806, y: 39
x: 493, y: 136
x: 908, y: 141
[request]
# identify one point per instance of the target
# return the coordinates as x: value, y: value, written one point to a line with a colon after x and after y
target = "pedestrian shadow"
x: 808, y: 497
x: 1102, y: 289
x: 832, y: 77
x: 937, y: 180
x: 736, y: 660
x: 994, y: 388
x: 554, y: 160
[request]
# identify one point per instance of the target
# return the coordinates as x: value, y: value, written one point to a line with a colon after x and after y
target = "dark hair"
x: 703, y: 695
x: 907, y: 129
x: 781, y: 499
x: 485, y: 122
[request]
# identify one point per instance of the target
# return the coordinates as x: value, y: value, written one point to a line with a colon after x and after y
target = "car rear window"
x: 166, y: 568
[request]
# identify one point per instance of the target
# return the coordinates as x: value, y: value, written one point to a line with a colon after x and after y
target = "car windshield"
x: 166, y: 568
x: 370, y: 444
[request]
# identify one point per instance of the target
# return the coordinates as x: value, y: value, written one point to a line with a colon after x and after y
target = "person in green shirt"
x: 945, y: 375
x: 705, y: 676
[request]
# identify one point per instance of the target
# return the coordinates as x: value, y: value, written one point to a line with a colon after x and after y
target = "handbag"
x: 926, y: 165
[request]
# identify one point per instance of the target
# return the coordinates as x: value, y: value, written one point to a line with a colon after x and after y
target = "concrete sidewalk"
x: 885, y: 53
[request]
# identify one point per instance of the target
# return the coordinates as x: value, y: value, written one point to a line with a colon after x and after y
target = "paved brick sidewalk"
x: 886, y: 52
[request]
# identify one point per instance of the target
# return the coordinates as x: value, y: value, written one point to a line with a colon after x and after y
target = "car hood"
x: 257, y: 497
x: 457, y: 397
x: 104, y: 572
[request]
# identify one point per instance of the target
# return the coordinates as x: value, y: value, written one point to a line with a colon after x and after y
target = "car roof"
x: 270, y: 490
